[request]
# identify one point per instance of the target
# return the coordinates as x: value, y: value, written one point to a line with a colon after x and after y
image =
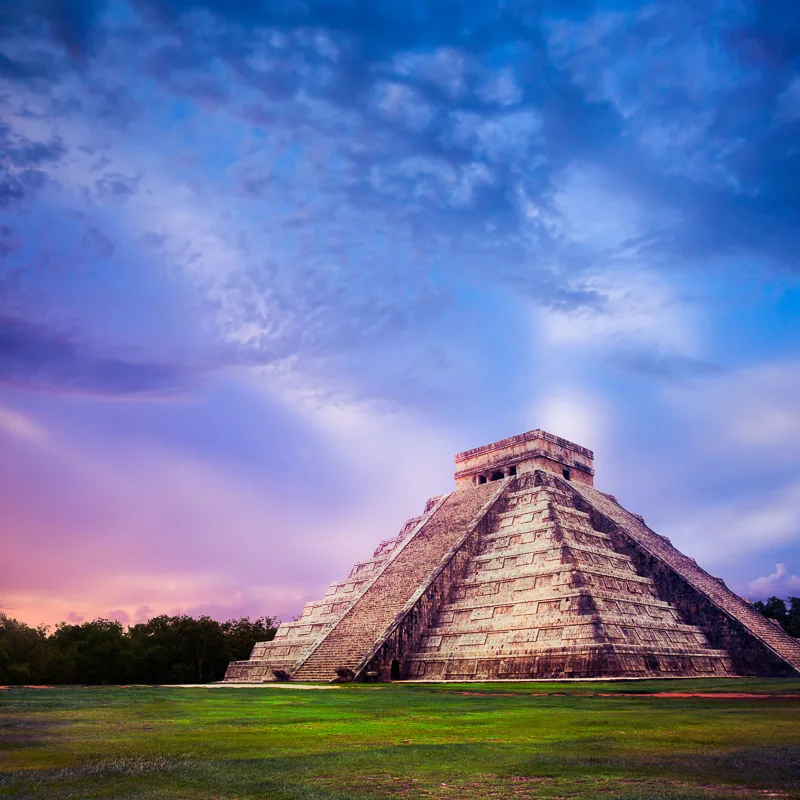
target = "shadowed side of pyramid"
x: 526, y: 571
x: 755, y: 644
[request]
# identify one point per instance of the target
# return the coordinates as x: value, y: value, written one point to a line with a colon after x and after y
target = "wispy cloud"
x: 454, y: 219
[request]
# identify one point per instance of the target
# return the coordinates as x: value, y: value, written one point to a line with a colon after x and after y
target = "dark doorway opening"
x: 481, y: 479
x: 394, y: 672
x: 497, y: 476
x: 565, y: 473
x: 512, y: 471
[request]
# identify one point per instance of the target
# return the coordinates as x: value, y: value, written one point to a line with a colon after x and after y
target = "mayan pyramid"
x: 525, y: 571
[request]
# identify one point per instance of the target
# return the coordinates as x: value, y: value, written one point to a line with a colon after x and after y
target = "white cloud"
x: 639, y: 305
x: 508, y: 135
x: 778, y: 583
x: 636, y: 73
x: 599, y: 213
x: 444, y: 67
x: 402, y: 104
x: 500, y: 87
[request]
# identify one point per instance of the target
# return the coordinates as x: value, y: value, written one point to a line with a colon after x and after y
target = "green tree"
x: 242, y: 634
x: 792, y: 624
x: 156, y: 651
x: 25, y: 653
x: 179, y: 649
x: 204, y: 644
x: 93, y: 652
x: 774, y: 608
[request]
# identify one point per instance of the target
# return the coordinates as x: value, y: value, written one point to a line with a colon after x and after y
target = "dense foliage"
x: 165, y: 649
x: 787, y: 616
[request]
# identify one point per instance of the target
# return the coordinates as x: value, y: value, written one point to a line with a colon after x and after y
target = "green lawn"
x: 409, y: 741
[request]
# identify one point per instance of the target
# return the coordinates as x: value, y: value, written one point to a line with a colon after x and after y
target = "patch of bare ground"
x: 537, y: 788
x: 677, y: 695
x: 707, y: 695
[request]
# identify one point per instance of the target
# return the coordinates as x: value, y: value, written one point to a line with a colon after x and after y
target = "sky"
x: 265, y: 267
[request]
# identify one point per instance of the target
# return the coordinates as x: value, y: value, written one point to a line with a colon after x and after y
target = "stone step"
x: 645, y: 649
x: 538, y: 571
x: 544, y: 595
x: 545, y: 546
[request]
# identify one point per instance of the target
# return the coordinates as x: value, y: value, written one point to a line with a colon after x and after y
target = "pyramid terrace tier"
x: 593, y: 661
x: 528, y: 611
x: 519, y: 634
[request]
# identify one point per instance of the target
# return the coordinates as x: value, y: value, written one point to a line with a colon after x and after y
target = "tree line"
x: 788, y: 615
x: 165, y: 649
x: 177, y: 649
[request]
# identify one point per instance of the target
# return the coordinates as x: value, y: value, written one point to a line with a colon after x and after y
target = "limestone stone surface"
x: 524, y: 453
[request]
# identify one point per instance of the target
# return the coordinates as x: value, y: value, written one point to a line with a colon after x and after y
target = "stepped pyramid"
x: 525, y: 571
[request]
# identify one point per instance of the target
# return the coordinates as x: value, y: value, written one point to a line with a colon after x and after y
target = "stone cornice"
x: 511, y: 460
x: 520, y: 439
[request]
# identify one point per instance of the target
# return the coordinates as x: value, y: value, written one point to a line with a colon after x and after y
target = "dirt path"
x: 679, y: 695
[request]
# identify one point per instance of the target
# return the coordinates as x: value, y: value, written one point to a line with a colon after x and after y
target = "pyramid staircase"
x: 547, y: 595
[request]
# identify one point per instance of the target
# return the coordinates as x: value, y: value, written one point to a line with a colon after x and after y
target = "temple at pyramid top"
x: 526, y: 570
x: 523, y: 453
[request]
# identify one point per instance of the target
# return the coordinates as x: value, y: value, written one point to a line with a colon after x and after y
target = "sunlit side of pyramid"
x: 525, y: 571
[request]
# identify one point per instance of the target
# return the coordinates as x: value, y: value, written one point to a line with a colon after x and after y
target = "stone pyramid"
x: 525, y: 571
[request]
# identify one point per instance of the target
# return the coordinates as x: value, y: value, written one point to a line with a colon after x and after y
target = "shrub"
x: 281, y: 674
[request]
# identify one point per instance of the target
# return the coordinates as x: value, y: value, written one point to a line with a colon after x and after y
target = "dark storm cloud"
x: 22, y: 161
x: 117, y: 186
x: 74, y: 23
x: 37, y: 357
x: 699, y: 118
x: 454, y: 124
x: 10, y: 242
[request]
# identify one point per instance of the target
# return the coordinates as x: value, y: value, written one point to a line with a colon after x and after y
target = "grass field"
x: 520, y: 740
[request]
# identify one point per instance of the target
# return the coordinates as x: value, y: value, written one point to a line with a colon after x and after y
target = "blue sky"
x: 265, y: 267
